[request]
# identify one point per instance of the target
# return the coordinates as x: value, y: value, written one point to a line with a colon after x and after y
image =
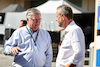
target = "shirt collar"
x: 67, y: 29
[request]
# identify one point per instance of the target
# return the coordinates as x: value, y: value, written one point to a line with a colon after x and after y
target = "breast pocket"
x: 42, y: 45
x: 66, y: 42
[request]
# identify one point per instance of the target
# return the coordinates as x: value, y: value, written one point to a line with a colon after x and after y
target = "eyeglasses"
x: 36, y: 20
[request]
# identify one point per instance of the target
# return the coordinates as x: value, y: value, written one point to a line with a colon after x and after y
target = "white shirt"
x: 72, y: 50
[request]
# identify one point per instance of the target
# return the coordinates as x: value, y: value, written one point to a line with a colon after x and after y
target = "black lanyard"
x: 32, y: 36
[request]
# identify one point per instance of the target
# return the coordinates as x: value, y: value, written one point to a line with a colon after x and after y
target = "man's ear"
x: 27, y: 19
x: 63, y: 16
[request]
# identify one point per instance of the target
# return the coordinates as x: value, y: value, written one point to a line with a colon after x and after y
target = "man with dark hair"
x: 22, y: 23
x: 72, y: 49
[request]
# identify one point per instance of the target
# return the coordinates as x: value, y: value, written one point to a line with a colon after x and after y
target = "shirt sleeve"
x: 76, y: 43
x: 12, y: 42
x: 49, y: 54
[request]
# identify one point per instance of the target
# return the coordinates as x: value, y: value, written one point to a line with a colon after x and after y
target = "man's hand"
x: 57, y: 31
x: 70, y: 65
x: 15, y: 50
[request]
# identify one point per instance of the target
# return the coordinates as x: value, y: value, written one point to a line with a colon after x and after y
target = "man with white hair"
x: 30, y: 44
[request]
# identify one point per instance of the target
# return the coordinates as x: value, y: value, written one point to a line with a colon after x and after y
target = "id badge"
x: 35, y: 49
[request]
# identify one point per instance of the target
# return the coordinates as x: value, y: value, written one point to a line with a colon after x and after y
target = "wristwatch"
x: 73, y: 65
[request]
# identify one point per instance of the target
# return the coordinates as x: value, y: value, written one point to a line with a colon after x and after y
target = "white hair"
x: 32, y: 10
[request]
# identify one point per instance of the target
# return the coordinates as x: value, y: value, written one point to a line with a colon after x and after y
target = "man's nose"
x: 37, y: 21
x: 56, y: 19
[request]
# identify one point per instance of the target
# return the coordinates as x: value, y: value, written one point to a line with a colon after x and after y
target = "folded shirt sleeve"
x: 77, y: 47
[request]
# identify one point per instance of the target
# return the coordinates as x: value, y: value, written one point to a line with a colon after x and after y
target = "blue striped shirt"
x: 28, y: 58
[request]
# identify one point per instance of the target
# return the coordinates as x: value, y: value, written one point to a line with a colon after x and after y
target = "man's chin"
x: 36, y: 28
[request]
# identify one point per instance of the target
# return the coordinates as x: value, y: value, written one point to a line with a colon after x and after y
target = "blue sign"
x: 98, y: 19
x: 98, y: 58
x: 98, y: 38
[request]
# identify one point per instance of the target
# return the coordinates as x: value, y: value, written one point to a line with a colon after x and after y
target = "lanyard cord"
x: 32, y: 36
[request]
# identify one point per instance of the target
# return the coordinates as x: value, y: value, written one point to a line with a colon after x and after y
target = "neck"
x: 34, y: 30
x: 67, y: 23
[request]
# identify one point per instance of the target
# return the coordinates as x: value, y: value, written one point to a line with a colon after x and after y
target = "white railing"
x: 91, y: 54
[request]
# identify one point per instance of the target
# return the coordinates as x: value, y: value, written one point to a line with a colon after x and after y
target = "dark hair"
x: 24, y: 21
x: 66, y: 10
